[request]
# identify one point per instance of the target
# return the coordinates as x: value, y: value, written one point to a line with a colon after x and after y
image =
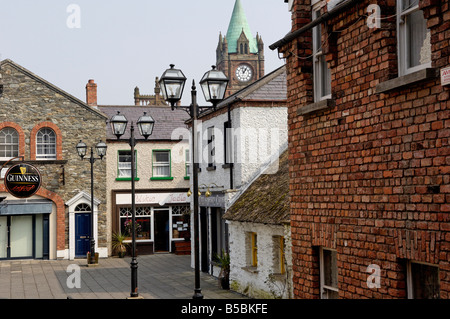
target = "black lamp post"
x: 101, y: 152
x: 118, y: 126
x: 214, y: 84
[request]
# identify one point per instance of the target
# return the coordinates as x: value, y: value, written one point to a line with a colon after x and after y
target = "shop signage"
x: 445, y: 76
x: 153, y: 198
x: 22, y: 180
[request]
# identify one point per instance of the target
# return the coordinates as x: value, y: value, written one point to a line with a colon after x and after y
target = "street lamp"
x: 214, y: 84
x: 101, y: 152
x: 145, y: 125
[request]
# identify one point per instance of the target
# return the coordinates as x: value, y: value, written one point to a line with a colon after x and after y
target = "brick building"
x: 369, y: 148
x: 41, y: 125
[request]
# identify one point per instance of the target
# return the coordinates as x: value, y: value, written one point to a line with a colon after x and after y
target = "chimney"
x: 91, y: 93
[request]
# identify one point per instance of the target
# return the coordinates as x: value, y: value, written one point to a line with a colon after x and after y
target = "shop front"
x: 162, y: 220
x: 25, y: 229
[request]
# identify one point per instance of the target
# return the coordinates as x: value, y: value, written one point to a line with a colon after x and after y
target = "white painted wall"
x: 255, y: 282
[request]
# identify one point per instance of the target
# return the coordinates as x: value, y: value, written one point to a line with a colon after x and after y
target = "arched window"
x: 246, y: 48
x: 46, y: 144
x: 241, y: 49
x: 9, y: 143
x: 83, y: 208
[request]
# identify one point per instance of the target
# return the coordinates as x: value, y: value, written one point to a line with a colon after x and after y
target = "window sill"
x: 168, y: 178
x: 228, y: 165
x: 253, y: 270
x: 37, y: 162
x: 314, y: 107
x: 187, y: 177
x: 211, y: 168
x: 120, y: 179
x: 408, y: 79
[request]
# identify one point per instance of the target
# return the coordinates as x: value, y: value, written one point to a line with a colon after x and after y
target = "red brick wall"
x: 369, y: 176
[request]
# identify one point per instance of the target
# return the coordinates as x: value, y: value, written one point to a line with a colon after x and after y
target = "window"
x: 328, y: 274
x: 321, y: 73
x: 187, y: 165
x: 9, y: 143
x: 142, y: 222
x: 46, y: 144
x: 254, y: 251
x: 414, y: 47
x: 83, y: 208
x: 211, y: 147
x: 422, y: 281
x: 227, y: 143
x: 124, y: 165
x: 161, y: 164
x: 278, y: 251
x: 180, y: 222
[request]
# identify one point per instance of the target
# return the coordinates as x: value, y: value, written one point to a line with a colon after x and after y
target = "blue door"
x: 82, y: 234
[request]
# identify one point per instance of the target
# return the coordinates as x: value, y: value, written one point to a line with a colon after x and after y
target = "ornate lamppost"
x: 118, y: 125
x: 101, y: 152
x: 214, y: 84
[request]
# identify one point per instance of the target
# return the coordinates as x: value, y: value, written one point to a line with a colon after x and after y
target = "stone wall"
x: 31, y: 102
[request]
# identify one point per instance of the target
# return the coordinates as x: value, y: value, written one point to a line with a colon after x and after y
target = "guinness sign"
x: 22, y: 180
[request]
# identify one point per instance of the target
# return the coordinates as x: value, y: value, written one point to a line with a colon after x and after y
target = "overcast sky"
x: 124, y: 44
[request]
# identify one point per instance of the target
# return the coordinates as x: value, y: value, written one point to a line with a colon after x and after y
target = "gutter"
x: 327, y: 16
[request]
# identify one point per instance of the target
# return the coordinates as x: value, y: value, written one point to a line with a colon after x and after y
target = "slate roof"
x: 166, y: 120
x: 266, y: 200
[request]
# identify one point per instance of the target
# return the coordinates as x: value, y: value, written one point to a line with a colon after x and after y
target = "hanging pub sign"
x: 22, y: 180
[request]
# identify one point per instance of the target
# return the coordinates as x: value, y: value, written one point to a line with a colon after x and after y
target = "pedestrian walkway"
x: 160, y: 276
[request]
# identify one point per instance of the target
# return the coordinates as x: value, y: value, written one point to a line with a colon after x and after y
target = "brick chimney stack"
x: 91, y: 93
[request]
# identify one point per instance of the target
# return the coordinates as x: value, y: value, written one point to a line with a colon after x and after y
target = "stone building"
x: 161, y: 180
x: 237, y: 140
x: 41, y: 125
x: 240, y: 55
x: 259, y: 226
x: 369, y: 148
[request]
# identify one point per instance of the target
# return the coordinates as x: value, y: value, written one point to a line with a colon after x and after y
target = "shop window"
x: 180, y: 222
x: 422, y: 281
x: 321, y: 72
x: 278, y: 255
x: 414, y: 47
x: 9, y: 143
x: 161, y: 164
x: 142, y: 222
x: 328, y: 274
x: 46, y: 144
x: 124, y: 165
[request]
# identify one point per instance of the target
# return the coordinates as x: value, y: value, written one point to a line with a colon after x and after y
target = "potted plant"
x: 224, y: 262
x: 118, y: 244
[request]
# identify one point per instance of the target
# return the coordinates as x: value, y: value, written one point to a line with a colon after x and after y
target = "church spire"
x: 239, y: 24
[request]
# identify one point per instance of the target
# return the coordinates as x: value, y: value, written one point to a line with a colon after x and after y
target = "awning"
x: 25, y: 207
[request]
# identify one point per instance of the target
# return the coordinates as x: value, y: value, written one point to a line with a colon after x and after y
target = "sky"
x: 124, y: 44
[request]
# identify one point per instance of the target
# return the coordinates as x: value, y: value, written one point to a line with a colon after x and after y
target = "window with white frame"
x: 124, y: 164
x: 422, y: 281
x: 321, y: 72
x: 188, y: 163
x: 328, y: 274
x: 9, y: 143
x: 414, y: 47
x: 161, y: 163
x: 46, y: 144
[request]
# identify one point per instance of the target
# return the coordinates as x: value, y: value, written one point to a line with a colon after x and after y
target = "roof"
x: 50, y: 86
x: 166, y: 120
x: 271, y: 87
x: 266, y: 200
x: 239, y: 24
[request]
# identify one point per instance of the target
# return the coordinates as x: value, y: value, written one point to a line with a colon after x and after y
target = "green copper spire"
x: 238, y: 23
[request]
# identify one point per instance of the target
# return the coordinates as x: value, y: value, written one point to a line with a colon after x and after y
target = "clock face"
x: 244, y: 73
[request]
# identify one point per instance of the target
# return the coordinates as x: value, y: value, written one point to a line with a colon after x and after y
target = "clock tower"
x: 239, y: 55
